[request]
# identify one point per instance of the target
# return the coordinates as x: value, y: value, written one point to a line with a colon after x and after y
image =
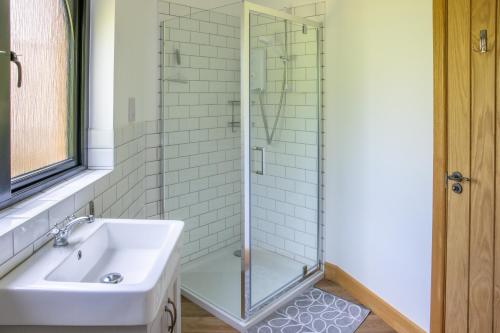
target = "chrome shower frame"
x: 251, y: 312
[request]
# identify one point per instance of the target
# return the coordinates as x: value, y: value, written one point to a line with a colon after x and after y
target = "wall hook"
x: 483, y: 42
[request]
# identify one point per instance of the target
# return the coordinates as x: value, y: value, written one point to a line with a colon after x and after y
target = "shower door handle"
x: 262, y: 150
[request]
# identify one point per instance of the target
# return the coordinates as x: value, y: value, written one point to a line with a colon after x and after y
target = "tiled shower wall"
x: 313, y: 11
x: 285, y: 209
x: 202, y: 150
x: 285, y: 199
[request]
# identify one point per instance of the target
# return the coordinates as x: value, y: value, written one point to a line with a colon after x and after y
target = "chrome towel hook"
x: 483, y: 42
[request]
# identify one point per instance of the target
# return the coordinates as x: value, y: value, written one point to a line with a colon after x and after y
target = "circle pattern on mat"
x: 315, y: 311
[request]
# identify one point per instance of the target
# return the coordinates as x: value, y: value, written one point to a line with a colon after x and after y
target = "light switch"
x: 131, y: 109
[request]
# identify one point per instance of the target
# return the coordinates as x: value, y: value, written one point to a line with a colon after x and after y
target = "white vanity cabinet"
x: 168, y: 319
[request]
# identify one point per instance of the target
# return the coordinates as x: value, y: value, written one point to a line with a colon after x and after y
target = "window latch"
x: 15, y: 59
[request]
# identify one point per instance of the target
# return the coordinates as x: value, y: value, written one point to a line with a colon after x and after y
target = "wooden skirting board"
x: 381, y: 308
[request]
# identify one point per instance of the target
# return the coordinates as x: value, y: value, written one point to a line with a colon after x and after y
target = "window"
x: 42, y: 62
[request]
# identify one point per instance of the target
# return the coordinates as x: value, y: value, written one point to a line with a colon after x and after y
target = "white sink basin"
x: 126, y: 248
x: 63, y: 286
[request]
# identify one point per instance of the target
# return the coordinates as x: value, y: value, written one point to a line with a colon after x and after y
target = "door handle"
x: 262, y: 150
x: 457, y: 176
x: 15, y: 59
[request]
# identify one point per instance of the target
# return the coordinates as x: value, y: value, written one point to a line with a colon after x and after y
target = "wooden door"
x: 473, y: 149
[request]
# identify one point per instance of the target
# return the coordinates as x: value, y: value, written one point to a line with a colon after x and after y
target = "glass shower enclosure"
x: 280, y: 99
x: 241, y: 157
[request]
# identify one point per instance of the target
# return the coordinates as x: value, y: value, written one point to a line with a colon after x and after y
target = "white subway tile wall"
x: 312, y: 11
x: 202, y: 153
x: 202, y: 170
x: 122, y: 193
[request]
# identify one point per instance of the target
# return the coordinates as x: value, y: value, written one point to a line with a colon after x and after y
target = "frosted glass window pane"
x: 40, y: 109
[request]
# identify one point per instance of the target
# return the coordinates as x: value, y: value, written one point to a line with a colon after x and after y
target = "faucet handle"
x: 59, y: 236
x: 53, y: 232
x: 69, y: 218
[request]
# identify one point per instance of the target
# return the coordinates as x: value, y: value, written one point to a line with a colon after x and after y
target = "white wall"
x: 101, y: 64
x: 123, y: 67
x: 136, y: 59
x: 379, y: 147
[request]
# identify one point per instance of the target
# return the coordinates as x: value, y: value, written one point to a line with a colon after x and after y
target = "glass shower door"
x: 283, y: 137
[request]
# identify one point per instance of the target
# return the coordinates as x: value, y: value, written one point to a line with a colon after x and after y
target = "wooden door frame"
x: 438, y: 278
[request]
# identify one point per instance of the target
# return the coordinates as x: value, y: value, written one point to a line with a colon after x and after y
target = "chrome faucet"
x: 61, y: 234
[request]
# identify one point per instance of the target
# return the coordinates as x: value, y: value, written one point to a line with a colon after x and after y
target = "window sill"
x: 23, y: 226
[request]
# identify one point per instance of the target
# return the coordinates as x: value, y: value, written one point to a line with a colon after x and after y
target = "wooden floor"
x: 197, y: 320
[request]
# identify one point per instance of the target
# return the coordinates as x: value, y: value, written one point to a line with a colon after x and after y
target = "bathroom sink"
x: 112, y: 273
x: 128, y: 249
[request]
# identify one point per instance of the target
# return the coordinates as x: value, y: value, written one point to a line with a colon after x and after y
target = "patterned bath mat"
x: 315, y: 311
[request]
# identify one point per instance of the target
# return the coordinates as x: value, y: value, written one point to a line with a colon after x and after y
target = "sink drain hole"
x: 112, y: 278
x: 237, y: 253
